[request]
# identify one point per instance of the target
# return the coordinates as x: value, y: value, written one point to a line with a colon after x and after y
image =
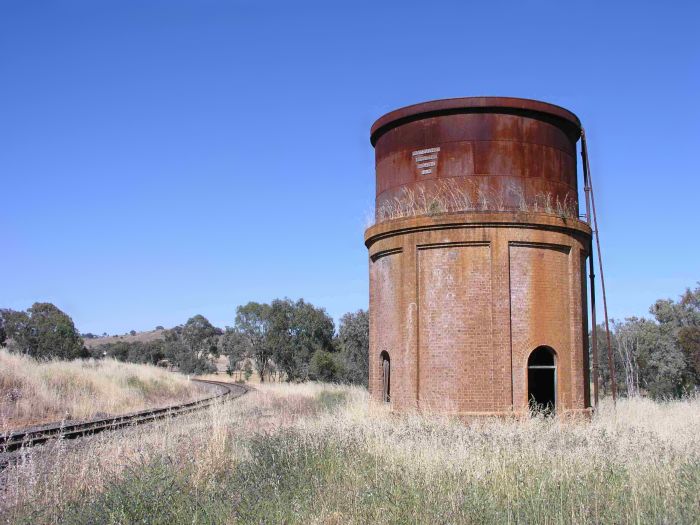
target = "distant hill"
x: 220, y: 362
x: 141, y: 337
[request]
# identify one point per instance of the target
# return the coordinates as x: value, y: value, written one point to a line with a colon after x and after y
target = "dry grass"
x: 239, y: 376
x: 324, y: 454
x: 139, y: 337
x: 34, y: 392
x: 448, y: 196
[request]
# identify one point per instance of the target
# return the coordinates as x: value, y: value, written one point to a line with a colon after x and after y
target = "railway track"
x: 16, y: 440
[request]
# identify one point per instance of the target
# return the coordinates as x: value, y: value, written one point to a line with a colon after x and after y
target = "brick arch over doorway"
x: 542, y: 379
x: 386, y: 376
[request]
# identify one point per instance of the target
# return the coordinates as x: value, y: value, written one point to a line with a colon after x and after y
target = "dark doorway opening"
x: 386, y: 377
x: 542, y: 380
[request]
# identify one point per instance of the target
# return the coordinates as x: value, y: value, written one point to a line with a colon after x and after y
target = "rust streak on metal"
x: 486, y: 153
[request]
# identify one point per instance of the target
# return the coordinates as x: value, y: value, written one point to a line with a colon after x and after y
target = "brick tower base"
x: 459, y: 303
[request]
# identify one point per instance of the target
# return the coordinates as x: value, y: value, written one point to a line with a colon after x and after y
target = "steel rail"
x: 25, y: 438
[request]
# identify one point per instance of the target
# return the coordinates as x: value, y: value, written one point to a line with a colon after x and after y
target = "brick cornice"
x: 476, y: 219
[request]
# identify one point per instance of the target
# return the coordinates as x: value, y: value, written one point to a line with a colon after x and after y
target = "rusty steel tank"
x: 477, y: 259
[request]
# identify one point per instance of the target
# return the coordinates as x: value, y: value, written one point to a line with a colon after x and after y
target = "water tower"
x: 477, y: 259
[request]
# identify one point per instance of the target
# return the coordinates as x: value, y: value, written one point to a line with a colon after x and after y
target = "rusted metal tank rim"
x: 557, y: 115
x: 529, y: 220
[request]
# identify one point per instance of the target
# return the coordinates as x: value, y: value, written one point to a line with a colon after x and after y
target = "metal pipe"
x: 591, y: 271
x: 611, y: 362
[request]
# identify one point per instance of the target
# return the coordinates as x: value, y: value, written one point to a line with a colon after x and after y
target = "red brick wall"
x: 540, y: 314
x: 385, y: 326
x: 455, y: 351
x: 459, y: 301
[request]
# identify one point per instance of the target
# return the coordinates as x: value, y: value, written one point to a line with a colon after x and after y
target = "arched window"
x: 386, y: 376
x: 542, y: 379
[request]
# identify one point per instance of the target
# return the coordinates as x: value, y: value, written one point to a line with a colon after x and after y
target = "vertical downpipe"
x: 591, y: 272
x: 611, y: 362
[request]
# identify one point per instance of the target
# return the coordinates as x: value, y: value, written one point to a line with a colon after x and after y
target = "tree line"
x: 297, y: 341
x: 658, y: 357
x: 294, y: 340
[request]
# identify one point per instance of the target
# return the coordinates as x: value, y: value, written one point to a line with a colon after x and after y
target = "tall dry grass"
x: 447, y: 196
x: 34, y: 391
x: 324, y: 454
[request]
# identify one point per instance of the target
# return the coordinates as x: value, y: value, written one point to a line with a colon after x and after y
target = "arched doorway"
x: 386, y: 376
x: 542, y: 379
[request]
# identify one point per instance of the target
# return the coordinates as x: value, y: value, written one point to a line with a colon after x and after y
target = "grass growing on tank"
x: 447, y: 196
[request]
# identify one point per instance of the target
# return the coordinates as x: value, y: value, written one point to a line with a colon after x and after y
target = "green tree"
x: 651, y: 360
x: 323, y: 367
x: 678, y: 322
x: 647, y: 360
x: 43, y: 332
x: 661, y: 356
x: 133, y: 352
x: 187, y: 362
x: 250, y: 336
x: 353, y: 341
x: 297, y: 330
x: 689, y: 341
x: 18, y: 331
x: 118, y: 350
x: 280, y: 336
x: 3, y: 333
x: 234, y: 347
x: 201, y: 336
x: 188, y: 346
x: 247, y: 370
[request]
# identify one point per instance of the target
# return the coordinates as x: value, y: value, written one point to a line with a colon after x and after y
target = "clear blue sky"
x: 160, y: 159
